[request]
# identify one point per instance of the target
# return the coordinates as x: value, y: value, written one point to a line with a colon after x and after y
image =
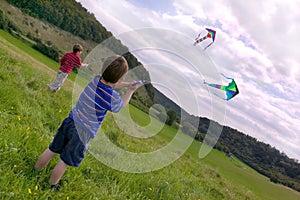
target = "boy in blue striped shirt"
x: 84, y: 120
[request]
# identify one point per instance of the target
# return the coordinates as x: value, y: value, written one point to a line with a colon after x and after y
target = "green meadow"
x: 30, y: 115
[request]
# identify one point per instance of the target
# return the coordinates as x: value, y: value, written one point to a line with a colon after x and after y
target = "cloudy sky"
x: 256, y: 44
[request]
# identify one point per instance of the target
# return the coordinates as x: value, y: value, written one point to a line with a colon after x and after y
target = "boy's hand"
x: 131, y: 85
x: 136, y: 84
x: 140, y: 82
x: 131, y: 89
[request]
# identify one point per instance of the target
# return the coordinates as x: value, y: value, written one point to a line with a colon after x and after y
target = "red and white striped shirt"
x: 69, y: 61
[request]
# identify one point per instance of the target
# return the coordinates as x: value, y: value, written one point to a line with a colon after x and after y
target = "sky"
x: 256, y: 44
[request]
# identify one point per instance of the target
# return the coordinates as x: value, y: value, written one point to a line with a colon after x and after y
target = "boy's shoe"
x: 55, y: 188
x: 50, y: 89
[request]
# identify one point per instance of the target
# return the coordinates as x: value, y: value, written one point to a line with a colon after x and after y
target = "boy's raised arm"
x: 131, y: 89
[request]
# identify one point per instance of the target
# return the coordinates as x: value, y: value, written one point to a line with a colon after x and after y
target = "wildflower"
x: 29, y: 190
x: 28, y: 128
x: 19, y: 118
x: 67, y: 198
x: 15, y: 166
x: 36, y: 187
x: 59, y: 111
x: 150, y: 189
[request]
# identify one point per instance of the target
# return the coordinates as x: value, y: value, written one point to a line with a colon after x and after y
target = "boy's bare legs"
x: 44, y: 159
x: 57, y: 172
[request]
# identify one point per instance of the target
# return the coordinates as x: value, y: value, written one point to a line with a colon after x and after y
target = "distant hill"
x: 54, y: 26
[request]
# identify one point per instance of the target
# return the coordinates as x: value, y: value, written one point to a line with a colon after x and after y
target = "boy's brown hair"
x: 114, y: 67
x: 77, y: 47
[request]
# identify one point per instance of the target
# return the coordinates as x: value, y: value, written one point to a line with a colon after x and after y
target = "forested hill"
x: 70, y: 16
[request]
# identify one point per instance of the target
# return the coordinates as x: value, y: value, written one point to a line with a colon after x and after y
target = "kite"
x: 211, y: 34
x: 231, y: 89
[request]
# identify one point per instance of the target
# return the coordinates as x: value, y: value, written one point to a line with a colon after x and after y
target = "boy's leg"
x: 44, y: 159
x: 57, y: 172
x: 60, y: 78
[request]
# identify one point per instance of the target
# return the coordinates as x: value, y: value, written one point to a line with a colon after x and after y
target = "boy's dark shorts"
x: 68, y: 144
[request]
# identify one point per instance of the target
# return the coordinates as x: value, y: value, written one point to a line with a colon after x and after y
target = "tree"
x: 172, y: 115
x: 3, y: 22
x: 189, y: 129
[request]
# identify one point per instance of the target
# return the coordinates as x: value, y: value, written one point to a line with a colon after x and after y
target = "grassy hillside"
x: 30, y: 116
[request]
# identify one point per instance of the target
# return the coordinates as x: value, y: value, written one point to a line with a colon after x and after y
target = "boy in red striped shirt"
x: 67, y: 63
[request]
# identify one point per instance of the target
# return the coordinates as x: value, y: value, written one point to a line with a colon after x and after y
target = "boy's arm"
x: 131, y: 89
x: 129, y: 84
x: 122, y: 84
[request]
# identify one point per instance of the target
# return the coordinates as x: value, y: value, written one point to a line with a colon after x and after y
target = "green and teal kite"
x: 231, y: 89
x: 210, y: 34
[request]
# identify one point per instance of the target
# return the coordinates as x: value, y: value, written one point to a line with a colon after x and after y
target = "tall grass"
x: 29, y: 117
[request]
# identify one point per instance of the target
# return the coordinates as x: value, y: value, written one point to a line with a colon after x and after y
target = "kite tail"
x: 200, y: 40
x: 226, y: 76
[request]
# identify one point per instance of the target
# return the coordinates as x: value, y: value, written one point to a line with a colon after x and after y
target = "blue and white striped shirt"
x: 93, y: 103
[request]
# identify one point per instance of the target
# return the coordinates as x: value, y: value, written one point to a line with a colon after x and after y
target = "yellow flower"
x: 36, y: 187
x: 150, y: 189
x: 67, y: 198
x: 15, y: 166
x: 19, y: 118
x: 29, y: 190
x: 59, y: 111
x: 28, y: 128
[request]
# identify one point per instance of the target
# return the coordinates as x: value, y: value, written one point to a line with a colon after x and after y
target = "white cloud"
x: 273, y: 25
